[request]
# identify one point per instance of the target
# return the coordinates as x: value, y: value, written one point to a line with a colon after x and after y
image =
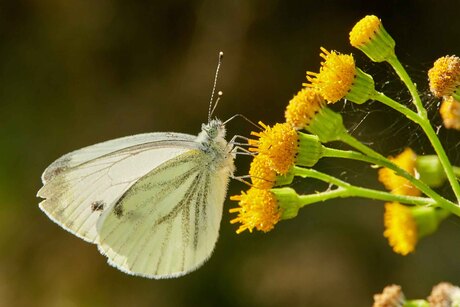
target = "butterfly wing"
x: 83, y: 184
x: 168, y: 222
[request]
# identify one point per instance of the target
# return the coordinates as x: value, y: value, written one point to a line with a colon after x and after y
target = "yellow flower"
x: 303, y: 107
x: 370, y: 36
x: 392, y: 296
x: 406, y: 225
x: 262, y: 176
x: 397, y: 184
x: 450, y: 113
x: 335, y: 77
x: 445, y: 77
x: 278, y: 144
x: 400, y: 228
x: 339, y: 78
x: 257, y: 209
x: 364, y: 30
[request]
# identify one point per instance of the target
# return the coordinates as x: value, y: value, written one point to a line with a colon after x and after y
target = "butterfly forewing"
x: 99, y: 150
x: 83, y: 184
x: 167, y: 224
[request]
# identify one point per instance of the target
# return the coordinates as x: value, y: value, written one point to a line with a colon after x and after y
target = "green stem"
x: 323, y: 196
x: 431, y: 134
x: 422, y: 119
x: 416, y: 303
x: 378, y: 159
x: 381, y: 97
x: 375, y: 158
x: 404, y: 76
x: 347, y: 190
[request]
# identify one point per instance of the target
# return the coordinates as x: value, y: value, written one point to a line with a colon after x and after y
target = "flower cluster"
x: 288, y: 149
x: 275, y: 149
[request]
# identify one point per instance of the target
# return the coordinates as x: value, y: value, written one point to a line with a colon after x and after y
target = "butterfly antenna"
x: 211, y: 108
x: 219, y: 95
x: 245, y: 118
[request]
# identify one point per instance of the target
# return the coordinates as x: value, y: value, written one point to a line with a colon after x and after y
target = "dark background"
x: 74, y: 73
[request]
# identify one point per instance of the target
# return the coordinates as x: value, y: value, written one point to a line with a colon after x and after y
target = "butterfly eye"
x: 211, y: 130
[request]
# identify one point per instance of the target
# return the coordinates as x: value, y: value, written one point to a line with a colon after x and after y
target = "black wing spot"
x: 118, y: 210
x: 97, y: 205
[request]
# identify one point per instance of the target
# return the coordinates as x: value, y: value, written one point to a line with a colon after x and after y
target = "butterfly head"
x: 212, y: 139
x: 213, y: 130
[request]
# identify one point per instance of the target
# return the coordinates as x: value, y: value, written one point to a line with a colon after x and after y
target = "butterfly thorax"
x: 212, y: 142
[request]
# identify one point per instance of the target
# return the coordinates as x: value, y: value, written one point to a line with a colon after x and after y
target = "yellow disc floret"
x: 278, y: 144
x: 257, y: 209
x: 450, y: 113
x: 400, y: 228
x: 364, y: 30
x: 303, y: 107
x: 262, y: 176
x: 397, y: 184
x: 335, y: 77
x: 445, y: 76
x: 369, y: 36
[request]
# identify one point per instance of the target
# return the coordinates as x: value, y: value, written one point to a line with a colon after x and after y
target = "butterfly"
x: 151, y: 202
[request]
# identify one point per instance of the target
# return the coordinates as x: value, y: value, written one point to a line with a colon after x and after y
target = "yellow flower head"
x: 262, y: 176
x: 303, y: 107
x: 335, y: 77
x: 445, y: 77
x: 400, y: 228
x: 278, y: 144
x: 397, y: 184
x: 392, y: 296
x: 444, y: 294
x: 450, y: 113
x: 370, y: 37
x: 257, y: 209
x: 364, y: 30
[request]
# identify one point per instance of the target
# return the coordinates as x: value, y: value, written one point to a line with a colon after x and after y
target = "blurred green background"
x: 74, y: 73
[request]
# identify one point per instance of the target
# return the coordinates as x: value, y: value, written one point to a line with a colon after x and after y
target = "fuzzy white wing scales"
x: 81, y: 185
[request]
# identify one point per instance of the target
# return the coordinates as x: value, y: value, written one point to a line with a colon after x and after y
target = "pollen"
x: 257, y: 209
x: 262, y: 176
x: 364, y: 30
x: 400, y: 228
x: 450, y: 113
x: 303, y: 107
x: 444, y: 77
x: 278, y: 143
x: 397, y: 184
x: 335, y: 77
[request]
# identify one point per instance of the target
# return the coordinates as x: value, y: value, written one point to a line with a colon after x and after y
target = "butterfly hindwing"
x: 83, y: 184
x: 167, y: 223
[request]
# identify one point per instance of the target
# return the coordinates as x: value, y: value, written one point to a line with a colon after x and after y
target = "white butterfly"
x: 151, y: 202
